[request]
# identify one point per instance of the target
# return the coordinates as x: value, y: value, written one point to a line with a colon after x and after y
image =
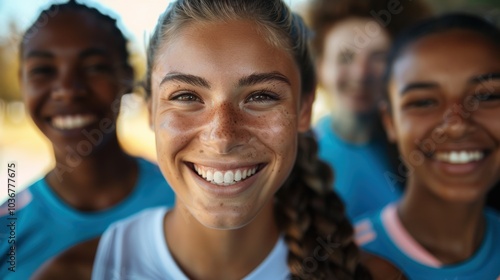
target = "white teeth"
x: 228, y: 177
x: 459, y: 157
x: 218, y: 177
x: 237, y: 176
x: 73, y: 121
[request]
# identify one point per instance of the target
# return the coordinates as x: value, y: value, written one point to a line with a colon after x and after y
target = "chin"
x: 463, y: 195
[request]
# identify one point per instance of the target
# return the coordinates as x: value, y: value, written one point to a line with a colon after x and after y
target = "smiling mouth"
x: 460, y: 157
x: 67, y: 122
x: 225, y: 177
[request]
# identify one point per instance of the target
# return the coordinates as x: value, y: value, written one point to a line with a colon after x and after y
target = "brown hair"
x: 307, y: 210
x: 322, y: 15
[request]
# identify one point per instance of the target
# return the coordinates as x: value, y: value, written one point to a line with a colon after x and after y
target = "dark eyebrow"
x: 485, y: 78
x: 186, y: 78
x: 38, y: 54
x: 262, y: 78
x: 416, y: 86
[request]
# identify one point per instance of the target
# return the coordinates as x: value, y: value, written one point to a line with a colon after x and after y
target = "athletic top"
x: 361, y: 172
x: 43, y: 225
x: 383, y: 234
x: 135, y: 248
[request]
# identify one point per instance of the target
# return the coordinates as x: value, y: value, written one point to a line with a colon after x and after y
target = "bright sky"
x: 136, y: 18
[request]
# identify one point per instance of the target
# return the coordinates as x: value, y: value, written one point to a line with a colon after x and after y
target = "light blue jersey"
x: 43, y: 225
x: 360, y: 171
x: 382, y: 234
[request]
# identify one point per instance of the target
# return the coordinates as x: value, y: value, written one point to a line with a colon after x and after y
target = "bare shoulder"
x: 380, y: 268
x: 75, y: 263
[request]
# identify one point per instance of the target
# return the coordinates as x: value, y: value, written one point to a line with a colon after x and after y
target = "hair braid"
x: 311, y: 215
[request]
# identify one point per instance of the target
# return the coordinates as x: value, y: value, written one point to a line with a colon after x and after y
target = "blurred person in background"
x: 350, y: 44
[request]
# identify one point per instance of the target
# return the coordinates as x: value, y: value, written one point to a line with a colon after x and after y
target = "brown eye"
x: 262, y: 96
x: 486, y: 97
x: 186, y: 97
x: 423, y: 103
x: 41, y: 71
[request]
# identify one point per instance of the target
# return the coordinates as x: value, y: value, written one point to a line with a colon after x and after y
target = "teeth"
x: 73, y: 121
x: 228, y: 177
x: 459, y: 157
x: 218, y: 178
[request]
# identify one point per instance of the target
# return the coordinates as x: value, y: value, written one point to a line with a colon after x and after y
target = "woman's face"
x: 445, y: 96
x: 226, y: 110
x: 72, y: 78
x: 353, y: 63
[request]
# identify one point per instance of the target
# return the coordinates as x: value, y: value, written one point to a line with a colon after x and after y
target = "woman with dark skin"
x: 442, y: 110
x: 74, y: 71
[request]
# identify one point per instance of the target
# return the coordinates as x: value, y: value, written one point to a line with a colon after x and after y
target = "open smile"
x: 69, y: 122
x: 460, y: 157
x: 225, y: 177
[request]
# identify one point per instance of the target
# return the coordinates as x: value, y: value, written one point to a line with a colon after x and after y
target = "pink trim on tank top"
x: 404, y: 240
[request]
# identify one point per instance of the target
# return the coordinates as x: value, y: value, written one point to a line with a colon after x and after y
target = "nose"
x: 224, y: 132
x: 68, y: 85
x: 361, y: 69
x: 457, y: 122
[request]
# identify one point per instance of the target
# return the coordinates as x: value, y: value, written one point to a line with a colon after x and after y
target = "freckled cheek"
x: 279, y: 132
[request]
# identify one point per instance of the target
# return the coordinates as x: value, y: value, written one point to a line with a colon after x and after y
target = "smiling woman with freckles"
x: 443, y: 83
x: 230, y: 87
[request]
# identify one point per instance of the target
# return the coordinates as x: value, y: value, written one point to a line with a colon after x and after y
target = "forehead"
x: 222, y: 50
x: 69, y: 30
x: 455, y: 53
x: 360, y: 34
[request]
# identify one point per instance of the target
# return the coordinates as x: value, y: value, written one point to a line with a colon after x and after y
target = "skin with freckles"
x: 219, y: 107
x: 446, y: 99
x: 234, y: 104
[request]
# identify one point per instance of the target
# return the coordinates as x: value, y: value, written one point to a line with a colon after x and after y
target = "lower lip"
x: 225, y: 191
x: 74, y: 131
x: 458, y: 169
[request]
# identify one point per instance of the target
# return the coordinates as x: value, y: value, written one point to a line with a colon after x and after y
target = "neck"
x: 95, y: 181
x: 356, y: 129
x: 201, y: 251
x: 451, y: 231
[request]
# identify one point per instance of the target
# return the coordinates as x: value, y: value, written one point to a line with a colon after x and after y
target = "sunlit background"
x: 22, y: 143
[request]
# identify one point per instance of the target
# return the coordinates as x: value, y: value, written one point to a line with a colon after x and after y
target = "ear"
x: 387, y: 121
x: 306, y: 111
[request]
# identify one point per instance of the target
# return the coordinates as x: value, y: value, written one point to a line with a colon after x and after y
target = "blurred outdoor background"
x: 22, y: 143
